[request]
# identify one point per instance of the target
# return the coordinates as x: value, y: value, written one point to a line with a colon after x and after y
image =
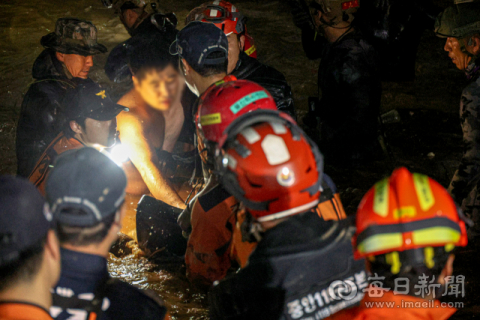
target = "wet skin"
x: 143, y: 130
x: 78, y: 66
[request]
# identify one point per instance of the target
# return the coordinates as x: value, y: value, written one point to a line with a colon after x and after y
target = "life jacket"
x: 299, y: 279
x: 43, y: 166
x: 207, y: 257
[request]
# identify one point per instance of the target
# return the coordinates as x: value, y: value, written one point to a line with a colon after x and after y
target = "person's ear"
x: 475, y: 45
x: 76, y: 127
x: 52, y: 256
x: 447, y: 270
x: 241, y: 42
x: 186, y: 66
x: 60, y: 56
x: 136, y: 81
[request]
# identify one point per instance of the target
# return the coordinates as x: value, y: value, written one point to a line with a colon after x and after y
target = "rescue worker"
x: 143, y: 22
x: 144, y: 130
x: 29, y: 254
x: 65, y: 63
x: 407, y: 243
x: 90, y: 121
x: 460, y: 24
x: 349, y: 86
x: 210, y: 218
x: 276, y: 172
x: 249, y: 47
x: 225, y: 16
x: 86, y: 193
x: 393, y: 27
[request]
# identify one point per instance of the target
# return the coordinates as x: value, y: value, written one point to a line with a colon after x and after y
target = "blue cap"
x: 85, y: 179
x: 24, y: 217
x: 197, y: 41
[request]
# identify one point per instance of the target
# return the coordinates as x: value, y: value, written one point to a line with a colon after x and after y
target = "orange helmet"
x: 407, y: 211
x: 227, y: 101
x: 271, y: 166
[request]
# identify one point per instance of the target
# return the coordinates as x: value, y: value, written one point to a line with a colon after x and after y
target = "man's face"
x: 78, y: 66
x: 159, y: 88
x: 234, y: 48
x: 100, y: 132
x: 459, y: 58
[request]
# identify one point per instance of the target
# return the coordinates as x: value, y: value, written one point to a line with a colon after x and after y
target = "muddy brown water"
x: 428, y: 107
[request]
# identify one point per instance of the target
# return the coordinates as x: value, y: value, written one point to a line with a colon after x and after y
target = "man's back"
x: 271, y: 79
x: 81, y: 275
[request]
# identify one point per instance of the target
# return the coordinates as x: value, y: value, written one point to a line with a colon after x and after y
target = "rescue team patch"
x: 210, y: 119
x: 322, y: 302
x: 245, y: 101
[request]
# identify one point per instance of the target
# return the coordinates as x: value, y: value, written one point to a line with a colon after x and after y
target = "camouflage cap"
x: 459, y: 20
x: 74, y: 36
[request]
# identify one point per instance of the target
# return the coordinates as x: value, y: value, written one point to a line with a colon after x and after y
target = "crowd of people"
x: 266, y: 235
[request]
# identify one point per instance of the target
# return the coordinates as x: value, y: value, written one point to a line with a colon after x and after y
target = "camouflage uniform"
x: 41, y: 116
x: 465, y: 183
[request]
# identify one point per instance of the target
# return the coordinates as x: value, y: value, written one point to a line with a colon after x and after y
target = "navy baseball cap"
x: 25, y: 218
x: 197, y: 41
x: 90, y: 100
x: 85, y: 179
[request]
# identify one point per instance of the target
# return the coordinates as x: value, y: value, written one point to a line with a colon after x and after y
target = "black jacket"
x: 350, y: 90
x: 291, y: 272
x: 117, y: 68
x: 81, y: 280
x: 41, y: 116
x: 249, y: 68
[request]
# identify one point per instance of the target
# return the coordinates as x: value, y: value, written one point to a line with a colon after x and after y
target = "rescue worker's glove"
x: 301, y: 14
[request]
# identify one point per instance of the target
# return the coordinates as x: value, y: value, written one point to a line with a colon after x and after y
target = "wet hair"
x: 214, y: 69
x: 380, y: 267
x: 152, y: 55
x: 25, y: 267
x: 67, y: 130
x: 83, y: 236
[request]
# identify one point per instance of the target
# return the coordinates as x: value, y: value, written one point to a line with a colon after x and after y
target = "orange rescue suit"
x: 375, y: 308
x: 216, y: 239
x: 43, y: 166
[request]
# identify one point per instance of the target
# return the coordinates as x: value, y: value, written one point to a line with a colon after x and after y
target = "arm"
x: 468, y: 172
x: 143, y: 156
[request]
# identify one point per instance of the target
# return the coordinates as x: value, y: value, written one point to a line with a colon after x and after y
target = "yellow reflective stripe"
x: 250, y: 50
x: 393, y: 259
x: 424, y: 192
x: 380, y: 242
x: 380, y: 198
x: 209, y: 119
x: 429, y: 254
x: 449, y: 247
x: 403, y: 212
x: 435, y: 235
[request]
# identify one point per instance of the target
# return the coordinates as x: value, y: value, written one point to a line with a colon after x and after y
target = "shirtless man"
x: 154, y: 122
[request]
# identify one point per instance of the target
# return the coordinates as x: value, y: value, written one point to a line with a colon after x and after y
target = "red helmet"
x: 227, y: 101
x: 271, y: 166
x: 407, y: 211
x: 225, y: 16
x: 249, y: 47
